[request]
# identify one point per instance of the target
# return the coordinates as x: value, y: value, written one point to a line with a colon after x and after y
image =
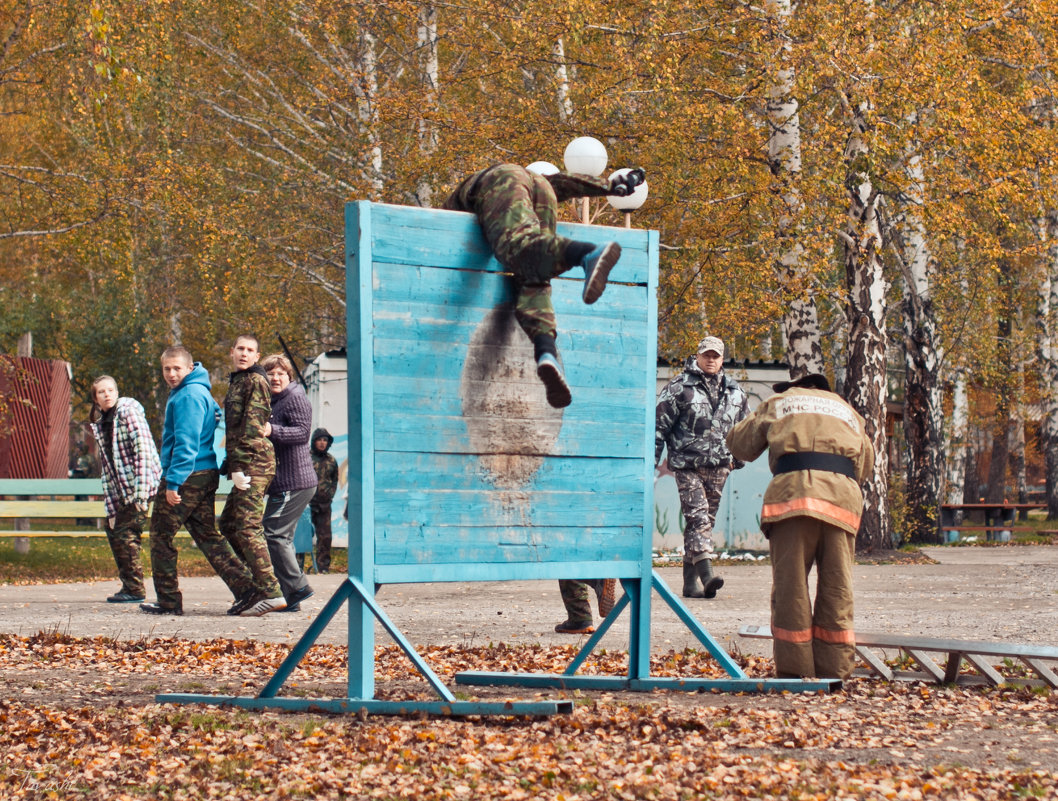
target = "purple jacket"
x: 291, y: 424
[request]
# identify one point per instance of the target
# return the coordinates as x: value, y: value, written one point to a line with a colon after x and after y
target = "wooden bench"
x: 29, y: 499
x: 980, y: 655
x: 998, y: 518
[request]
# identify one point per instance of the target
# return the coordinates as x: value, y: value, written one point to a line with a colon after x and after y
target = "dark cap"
x: 810, y: 381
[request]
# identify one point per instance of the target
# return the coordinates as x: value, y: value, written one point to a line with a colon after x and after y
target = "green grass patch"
x: 60, y: 559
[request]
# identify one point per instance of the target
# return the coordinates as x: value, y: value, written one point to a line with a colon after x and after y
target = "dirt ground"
x: 1008, y: 594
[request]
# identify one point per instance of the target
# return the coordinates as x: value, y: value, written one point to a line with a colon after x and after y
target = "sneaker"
x: 244, y: 602
x: 292, y: 608
x: 550, y: 372
x: 712, y: 585
x: 297, y: 596
x: 575, y: 627
x: 266, y: 605
x: 606, y: 592
x: 597, y: 266
x: 158, y: 609
x: 124, y: 598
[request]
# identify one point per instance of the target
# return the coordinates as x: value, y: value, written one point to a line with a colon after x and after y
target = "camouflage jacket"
x: 693, y: 424
x: 247, y: 407
x: 567, y: 185
x: 326, y: 469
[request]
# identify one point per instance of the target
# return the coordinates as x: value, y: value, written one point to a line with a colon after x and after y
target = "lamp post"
x: 631, y: 202
x: 586, y: 155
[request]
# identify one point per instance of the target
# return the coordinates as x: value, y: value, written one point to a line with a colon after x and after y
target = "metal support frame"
x: 980, y: 655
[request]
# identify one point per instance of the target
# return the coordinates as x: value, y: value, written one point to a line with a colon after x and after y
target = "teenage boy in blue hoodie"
x: 187, y: 494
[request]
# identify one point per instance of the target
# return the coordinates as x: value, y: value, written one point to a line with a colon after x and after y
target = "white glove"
x: 240, y: 480
x: 111, y: 521
x: 141, y: 507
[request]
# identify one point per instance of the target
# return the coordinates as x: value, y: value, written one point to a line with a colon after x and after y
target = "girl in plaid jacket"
x: 131, y: 471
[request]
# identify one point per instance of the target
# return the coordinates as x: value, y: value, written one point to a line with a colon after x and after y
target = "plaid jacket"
x: 136, y: 471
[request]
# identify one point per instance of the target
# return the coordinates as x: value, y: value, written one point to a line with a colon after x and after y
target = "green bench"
x: 44, y: 500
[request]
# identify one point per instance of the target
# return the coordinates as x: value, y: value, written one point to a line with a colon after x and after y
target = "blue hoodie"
x: 191, y: 417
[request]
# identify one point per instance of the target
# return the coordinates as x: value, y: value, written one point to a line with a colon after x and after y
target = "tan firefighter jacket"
x: 807, y: 421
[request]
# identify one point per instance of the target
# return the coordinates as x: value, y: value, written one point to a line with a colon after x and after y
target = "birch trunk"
x: 957, y: 442
x: 923, y: 413
x: 429, y: 64
x: 366, y: 90
x: 801, y: 335
x: 1002, y: 420
x: 1047, y: 345
x: 565, y: 104
x: 866, y: 313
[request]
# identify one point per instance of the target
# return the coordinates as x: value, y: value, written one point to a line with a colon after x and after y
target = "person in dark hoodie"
x: 320, y: 507
x: 187, y: 494
x: 251, y: 464
x: 295, y: 481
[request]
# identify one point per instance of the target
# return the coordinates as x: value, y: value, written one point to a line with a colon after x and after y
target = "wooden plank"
x: 507, y: 571
x: 1042, y: 670
x: 985, y: 669
x: 453, y: 240
x: 36, y: 508
x: 493, y: 545
x: 51, y: 486
x: 874, y: 662
x: 951, y: 667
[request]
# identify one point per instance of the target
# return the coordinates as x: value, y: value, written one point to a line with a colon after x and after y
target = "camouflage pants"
x: 700, y: 490
x: 517, y: 210
x: 576, y: 597
x: 125, y: 537
x: 321, y: 522
x: 195, y: 512
x: 241, y: 524
x: 812, y: 641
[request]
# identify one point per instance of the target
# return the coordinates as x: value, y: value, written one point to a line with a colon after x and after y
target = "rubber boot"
x: 711, y: 583
x: 690, y: 582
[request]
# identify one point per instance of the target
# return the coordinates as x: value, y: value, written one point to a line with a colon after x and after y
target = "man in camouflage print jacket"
x: 250, y: 462
x: 694, y: 414
x: 517, y: 210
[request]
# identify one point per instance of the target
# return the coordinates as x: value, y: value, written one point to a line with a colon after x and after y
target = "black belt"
x: 811, y: 460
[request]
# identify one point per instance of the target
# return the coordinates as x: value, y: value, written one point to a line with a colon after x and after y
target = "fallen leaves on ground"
x: 76, y: 719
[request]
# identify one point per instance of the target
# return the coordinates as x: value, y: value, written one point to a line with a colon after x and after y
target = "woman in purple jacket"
x: 295, y: 480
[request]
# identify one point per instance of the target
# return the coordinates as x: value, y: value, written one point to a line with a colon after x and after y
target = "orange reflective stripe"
x: 804, y: 635
x: 811, y: 505
x: 826, y: 635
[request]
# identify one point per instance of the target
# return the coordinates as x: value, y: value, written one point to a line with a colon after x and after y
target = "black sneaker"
x: 606, y: 592
x: 292, y: 608
x: 575, y: 627
x: 244, y: 603
x: 158, y: 609
x: 297, y: 596
x: 124, y: 598
x: 597, y: 266
x: 550, y: 372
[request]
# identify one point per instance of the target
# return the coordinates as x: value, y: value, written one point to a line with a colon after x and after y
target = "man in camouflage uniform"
x: 694, y: 414
x: 187, y: 494
x: 320, y: 505
x: 517, y: 210
x: 250, y: 462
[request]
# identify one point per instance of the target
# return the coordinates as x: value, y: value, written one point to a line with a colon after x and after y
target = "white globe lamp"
x: 586, y: 155
x: 542, y: 168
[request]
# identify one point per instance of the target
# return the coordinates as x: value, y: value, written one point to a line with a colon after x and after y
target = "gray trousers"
x: 280, y: 519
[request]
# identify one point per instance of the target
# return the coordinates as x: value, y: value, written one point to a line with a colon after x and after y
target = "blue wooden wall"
x: 465, y: 473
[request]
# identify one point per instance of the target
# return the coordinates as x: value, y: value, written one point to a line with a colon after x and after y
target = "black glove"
x: 624, y: 185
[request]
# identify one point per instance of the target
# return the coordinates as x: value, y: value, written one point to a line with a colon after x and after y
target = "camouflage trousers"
x: 517, y: 212
x: 195, y: 512
x: 576, y: 597
x: 814, y: 641
x: 321, y: 522
x: 125, y: 537
x: 242, y: 525
x: 700, y: 490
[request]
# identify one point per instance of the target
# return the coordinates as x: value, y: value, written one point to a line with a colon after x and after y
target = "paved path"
x: 1008, y: 594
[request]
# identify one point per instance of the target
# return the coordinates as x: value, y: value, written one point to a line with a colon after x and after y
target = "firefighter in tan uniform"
x: 819, y: 454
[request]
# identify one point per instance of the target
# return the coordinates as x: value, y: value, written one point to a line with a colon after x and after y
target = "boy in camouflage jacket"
x: 517, y: 211
x: 694, y: 414
x: 251, y: 464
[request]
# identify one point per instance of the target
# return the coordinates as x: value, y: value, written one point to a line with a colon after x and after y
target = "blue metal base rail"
x: 738, y: 681
x: 352, y: 590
